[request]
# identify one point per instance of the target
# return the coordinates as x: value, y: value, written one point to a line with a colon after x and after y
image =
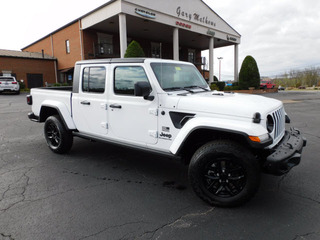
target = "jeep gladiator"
x: 166, y: 107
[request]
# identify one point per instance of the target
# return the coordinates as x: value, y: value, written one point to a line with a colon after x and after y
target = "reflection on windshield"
x: 172, y: 76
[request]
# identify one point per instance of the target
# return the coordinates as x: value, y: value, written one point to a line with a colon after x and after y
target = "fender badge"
x: 165, y: 136
x: 165, y: 129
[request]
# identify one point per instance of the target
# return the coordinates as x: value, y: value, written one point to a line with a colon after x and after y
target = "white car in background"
x: 9, y: 84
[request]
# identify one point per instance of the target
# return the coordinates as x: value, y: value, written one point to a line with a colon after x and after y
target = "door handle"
x: 85, y: 103
x: 115, y: 106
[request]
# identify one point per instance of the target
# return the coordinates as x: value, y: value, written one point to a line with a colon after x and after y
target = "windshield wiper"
x: 195, y: 86
x: 178, y: 88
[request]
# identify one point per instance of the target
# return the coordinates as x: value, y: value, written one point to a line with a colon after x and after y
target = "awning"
x: 67, y: 70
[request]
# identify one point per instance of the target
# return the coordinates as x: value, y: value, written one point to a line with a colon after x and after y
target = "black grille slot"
x: 279, y: 122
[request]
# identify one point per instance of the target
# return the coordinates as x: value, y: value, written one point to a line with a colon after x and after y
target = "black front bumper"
x: 286, y: 154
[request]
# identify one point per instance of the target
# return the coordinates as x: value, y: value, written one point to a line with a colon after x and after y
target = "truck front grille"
x: 279, y: 118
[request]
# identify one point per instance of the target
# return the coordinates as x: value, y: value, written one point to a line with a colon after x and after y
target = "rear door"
x: 90, y: 103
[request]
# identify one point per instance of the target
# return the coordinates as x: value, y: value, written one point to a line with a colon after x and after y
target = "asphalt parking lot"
x: 100, y: 191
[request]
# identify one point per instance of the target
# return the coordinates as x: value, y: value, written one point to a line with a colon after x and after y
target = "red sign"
x: 184, y: 25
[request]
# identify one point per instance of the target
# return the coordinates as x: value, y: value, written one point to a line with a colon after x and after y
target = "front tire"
x: 58, y: 138
x: 224, y: 174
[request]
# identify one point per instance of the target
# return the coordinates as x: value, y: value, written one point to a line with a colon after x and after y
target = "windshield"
x: 174, y: 76
x: 6, y: 80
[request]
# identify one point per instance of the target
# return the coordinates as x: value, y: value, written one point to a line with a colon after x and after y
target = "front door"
x: 90, y: 103
x: 132, y: 118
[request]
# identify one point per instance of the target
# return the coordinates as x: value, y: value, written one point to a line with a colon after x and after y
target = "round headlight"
x: 270, y: 123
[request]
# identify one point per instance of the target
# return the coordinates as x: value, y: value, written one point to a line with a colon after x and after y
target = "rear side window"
x: 126, y: 77
x: 94, y: 79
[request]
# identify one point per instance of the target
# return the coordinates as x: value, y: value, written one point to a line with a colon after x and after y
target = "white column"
x: 211, y: 57
x: 236, y: 62
x: 123, y: 34
x: 176, y: 44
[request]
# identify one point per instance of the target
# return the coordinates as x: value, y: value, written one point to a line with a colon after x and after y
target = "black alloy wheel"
x: 224, y: 173
x: 224, y: 178
x: 58, y: 138
x: 53, y: 135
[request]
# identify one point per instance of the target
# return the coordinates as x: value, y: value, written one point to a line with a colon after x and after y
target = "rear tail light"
x: 29, y: 99
x: 14, y: 83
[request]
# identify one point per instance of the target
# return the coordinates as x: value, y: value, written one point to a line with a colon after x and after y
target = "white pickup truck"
x: 166, y: 107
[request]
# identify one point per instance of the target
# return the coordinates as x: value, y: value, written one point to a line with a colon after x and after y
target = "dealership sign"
x: 194, y: 16
x: 145, y: 13
x: 229, y: 38
x: 184, y: 25
x: 210, y: 32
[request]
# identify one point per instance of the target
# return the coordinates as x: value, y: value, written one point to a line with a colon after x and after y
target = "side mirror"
x: 143, y: 89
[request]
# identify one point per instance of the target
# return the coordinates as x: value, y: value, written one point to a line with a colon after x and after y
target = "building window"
x: 126, y: 77
x: 191, y: 55
x: 105, y: 42
x: 156, y: 50
x: 67, y: 46
x: 94, y: 79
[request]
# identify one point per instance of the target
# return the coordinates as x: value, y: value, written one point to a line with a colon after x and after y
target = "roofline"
x: 102, y: 6
x: 221, y: 18
x: 69, y: 24
x: 48, y: 35
x: 32, y: 58
x: 96, y: 9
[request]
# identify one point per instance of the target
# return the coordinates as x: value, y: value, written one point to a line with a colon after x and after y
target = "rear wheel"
x: 224, y: 174
x: 58, y: 138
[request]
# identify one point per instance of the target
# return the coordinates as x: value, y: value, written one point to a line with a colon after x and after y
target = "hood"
x: 233, y: 104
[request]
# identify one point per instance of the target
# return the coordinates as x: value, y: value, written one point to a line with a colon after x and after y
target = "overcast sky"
x: 280, y: 34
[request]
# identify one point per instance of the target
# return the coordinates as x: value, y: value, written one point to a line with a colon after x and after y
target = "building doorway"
x: 34, y: 80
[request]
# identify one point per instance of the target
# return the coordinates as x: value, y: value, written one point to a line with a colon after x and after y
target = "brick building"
x: 35, y: 69
x: 165, y: 29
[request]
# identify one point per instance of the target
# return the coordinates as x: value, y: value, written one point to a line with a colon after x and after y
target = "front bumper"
x: 286, y: 154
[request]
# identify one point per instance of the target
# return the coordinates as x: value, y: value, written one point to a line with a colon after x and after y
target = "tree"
x: 134, y: 50
x: 249, y: 75
x: 216, y: 82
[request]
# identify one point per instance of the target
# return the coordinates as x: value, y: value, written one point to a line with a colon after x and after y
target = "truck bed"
x: 48, y: 96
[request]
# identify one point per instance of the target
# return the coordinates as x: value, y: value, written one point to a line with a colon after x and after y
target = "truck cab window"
x: 94, y: 79
x: 126, y: 77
